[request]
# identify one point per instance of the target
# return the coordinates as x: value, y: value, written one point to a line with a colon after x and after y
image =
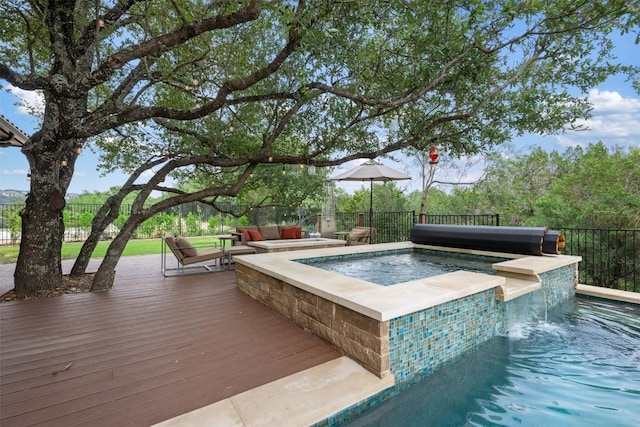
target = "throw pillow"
x: 255, y: 235
x: 289, y: 233
x: 186, y: 247
x: 245, y: 231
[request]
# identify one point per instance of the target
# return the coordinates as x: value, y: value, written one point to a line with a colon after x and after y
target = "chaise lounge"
x: 360, y: 236
x: 187, y: 254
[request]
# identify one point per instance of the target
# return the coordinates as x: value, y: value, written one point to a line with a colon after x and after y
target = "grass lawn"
x: 9, y: 254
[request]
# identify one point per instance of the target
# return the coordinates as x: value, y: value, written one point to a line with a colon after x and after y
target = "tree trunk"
x: 107, y: 213
x: 52, y: 158
x: 38, y: 266
x: 103, y: 280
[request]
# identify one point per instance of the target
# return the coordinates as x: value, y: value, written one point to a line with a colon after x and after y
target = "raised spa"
x: 411, y: 329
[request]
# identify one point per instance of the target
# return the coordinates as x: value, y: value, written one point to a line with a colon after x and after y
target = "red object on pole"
x: 433, y: 155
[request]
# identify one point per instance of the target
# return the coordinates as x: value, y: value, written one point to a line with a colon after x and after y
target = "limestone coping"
x: 387, y: 302
x: 301, y: 399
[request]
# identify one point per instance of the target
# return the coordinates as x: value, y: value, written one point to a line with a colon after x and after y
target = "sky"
x: 615, y: 121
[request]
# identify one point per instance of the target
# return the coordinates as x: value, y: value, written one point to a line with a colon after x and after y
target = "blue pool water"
x: 389, y: 269
x: 579, y: 367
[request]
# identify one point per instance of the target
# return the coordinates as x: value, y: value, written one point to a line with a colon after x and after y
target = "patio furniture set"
x: 249, y: 240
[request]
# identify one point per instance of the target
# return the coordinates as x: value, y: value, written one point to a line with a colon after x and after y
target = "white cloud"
x: 612, y: 102
x: 14, y: 172
x: 615, y: 121
x: 30, y: 102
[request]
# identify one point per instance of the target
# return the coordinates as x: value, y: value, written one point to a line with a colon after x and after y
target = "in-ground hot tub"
x: 388, y: 268
x: 408, y: 329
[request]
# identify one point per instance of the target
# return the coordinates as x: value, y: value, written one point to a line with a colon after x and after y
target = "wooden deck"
x: 148, y: 350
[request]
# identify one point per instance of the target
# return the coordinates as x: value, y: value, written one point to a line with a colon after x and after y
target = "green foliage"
x: 193, y: 222
x: 213, y: 224
x: 441, y: 203
x: 84, y: 219
x: 165, y: 221
x: 512, y: 187
x: 10, y: 218
x: 283, y: 185
x: 148, y: 227
x: 229, y: 221
x: 596, y: 189
x: 387, y: 197
x: 120, y: 220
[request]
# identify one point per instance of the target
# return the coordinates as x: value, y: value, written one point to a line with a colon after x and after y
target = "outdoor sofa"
x: 255, y: 233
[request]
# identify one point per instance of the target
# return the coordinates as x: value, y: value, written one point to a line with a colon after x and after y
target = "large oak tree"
x: 217, y: 92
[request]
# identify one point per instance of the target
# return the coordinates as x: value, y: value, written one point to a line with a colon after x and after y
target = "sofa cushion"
x: 186, y: 247
x: 291, y: 232
x: 255, y: 235
x: 270, y: 232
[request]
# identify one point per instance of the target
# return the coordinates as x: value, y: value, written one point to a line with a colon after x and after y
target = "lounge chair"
x: 186, y: 254
x: 360, y: 236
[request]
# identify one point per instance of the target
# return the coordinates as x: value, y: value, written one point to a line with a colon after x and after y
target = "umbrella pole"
x: 371, y: 212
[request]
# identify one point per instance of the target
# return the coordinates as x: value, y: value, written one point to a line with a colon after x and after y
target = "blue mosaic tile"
x: 558, y: 285
x: 428, y: 340
x: 439, y: 335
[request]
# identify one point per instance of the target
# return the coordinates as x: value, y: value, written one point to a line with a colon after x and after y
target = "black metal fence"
x: 396, y: 226
x: 191, y: 219
x: 488, y: 219
x: 610, y: 258
x: 389, y: 226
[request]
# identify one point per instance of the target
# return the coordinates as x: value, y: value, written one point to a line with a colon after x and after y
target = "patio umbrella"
x: 371, y: 171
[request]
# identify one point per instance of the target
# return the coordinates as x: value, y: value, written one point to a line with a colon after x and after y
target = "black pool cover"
x: 517, y: 240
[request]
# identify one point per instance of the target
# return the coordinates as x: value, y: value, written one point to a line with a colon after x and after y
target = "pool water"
x: 579, y: 367
x: 396, y: 268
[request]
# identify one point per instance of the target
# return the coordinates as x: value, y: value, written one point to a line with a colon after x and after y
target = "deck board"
x: 148, y: 350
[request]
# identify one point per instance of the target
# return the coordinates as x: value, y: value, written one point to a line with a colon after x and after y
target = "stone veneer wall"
x: 360, y: 337
x: 420, y: 343
x: 410, y: 346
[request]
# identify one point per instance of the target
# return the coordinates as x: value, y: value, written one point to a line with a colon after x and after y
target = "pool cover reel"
x: 517, y: 240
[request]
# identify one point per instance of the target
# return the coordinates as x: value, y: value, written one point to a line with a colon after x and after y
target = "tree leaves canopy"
x: 362, y: 79
x: 214, y: 91
x: 594, y: 187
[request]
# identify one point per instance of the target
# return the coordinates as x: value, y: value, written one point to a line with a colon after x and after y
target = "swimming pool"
x: 390, y: 269
x: 579, y: 367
